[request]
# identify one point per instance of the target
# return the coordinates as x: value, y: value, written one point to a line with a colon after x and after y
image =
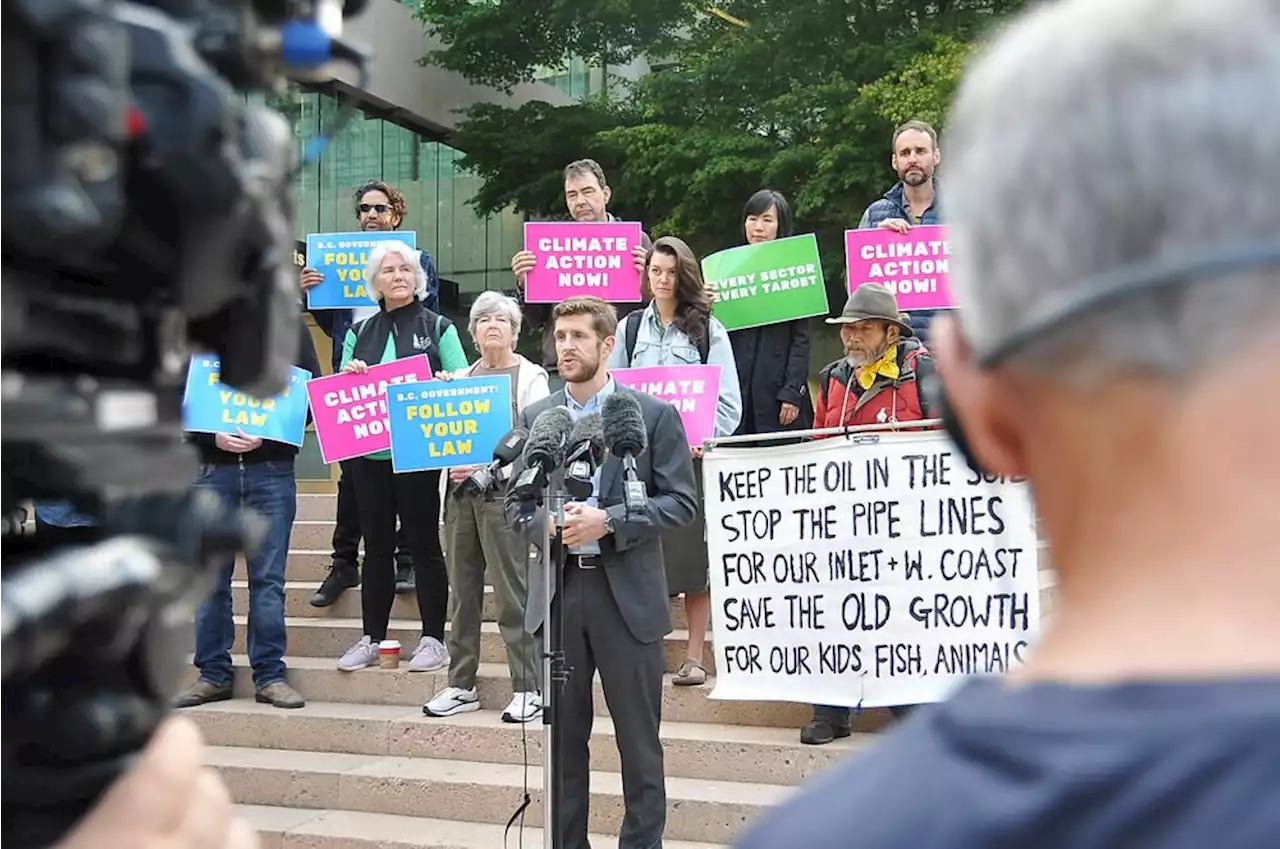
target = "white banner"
x: 877, y: 570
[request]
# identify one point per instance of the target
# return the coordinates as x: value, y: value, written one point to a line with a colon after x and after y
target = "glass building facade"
x: 472, y: 252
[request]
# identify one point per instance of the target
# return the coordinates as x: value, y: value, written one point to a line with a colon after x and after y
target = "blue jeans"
x: 271, y: 490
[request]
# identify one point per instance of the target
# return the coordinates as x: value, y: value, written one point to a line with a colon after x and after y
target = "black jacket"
x: 773, y: 367
x: 269, y: 451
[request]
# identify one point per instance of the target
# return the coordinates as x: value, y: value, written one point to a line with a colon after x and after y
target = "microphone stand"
x: 555, y: 674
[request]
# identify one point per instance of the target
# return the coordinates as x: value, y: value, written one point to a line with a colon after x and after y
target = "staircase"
x: 361, y: 766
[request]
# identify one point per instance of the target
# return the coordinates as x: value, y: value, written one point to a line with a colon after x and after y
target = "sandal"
x: 690, y: 674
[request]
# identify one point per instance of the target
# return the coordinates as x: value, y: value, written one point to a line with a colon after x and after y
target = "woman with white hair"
x: 402, y: 327
x: 477, y: 535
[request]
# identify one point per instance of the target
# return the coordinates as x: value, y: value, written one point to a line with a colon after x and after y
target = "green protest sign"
x: 766, y: 283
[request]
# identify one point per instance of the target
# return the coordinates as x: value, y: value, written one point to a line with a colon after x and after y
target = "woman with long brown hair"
x: 677, y: 328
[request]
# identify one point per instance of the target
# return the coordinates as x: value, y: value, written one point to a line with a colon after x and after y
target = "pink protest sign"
x: 350, y: 410
x: 914, y: 266
x: 693, y: 390
x: 575, y: 258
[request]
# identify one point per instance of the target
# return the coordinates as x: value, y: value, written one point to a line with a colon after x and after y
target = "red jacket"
x: 886, y: 401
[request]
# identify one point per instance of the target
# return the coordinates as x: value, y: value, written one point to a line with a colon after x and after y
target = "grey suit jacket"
x: 632, y: 554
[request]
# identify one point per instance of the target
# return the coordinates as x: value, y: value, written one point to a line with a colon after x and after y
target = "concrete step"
x: 301, y: 565
x: 297, y: 601
x: 312, y: 534
x: 316, y: 828
x: 692, y: 750
x: 320, y: 681
x: 712, y: 811
x: 317, y: 507
x: 331, y: 637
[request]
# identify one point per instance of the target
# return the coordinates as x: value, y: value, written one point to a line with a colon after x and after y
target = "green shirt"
x: 452, y: 358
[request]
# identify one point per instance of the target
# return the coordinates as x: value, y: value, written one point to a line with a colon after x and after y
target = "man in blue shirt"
x: 379, y: 207
x: 1115, y: 349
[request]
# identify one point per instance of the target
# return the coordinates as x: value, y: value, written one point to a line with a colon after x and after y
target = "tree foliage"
x: 800, y: 96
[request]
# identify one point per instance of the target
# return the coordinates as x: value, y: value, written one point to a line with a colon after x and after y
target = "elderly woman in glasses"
x: 477, y: 536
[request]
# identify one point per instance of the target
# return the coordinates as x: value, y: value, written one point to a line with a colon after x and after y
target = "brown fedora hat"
x: 872, y: 302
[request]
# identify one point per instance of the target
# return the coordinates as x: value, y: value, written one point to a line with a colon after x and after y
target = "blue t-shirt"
x: 1140, y: 766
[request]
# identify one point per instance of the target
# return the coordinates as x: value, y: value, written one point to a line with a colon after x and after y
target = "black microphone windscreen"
x: 547, y: 439
x: 624, y: 431
x: 511, y: 446
x: 589, y: 430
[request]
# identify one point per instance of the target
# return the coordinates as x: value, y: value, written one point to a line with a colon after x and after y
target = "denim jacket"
x: 654, y: 347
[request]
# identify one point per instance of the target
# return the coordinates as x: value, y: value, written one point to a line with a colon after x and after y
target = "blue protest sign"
x: 341, y: 258
x: 438, y: 424
x: 211, y: 407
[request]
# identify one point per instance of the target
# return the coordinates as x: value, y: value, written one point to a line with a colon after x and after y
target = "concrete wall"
x: 425, y: 97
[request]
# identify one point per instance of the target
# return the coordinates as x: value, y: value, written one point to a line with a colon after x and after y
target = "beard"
x: 915, y: 178
x: 580, y: 369
x: 859, y: 359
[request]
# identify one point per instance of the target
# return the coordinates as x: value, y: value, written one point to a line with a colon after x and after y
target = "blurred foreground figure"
x: 1118, y: 348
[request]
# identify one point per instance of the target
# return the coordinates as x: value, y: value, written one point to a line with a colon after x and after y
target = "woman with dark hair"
x: 677, y: 328
x: 773, y: 360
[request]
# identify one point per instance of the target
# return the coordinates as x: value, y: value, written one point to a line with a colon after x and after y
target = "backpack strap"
x: 704, y: 345
x: 632, y: 332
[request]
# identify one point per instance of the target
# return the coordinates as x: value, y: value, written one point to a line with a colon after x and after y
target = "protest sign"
x: 915, y: 266
x: 341, y: 258
x: 350, y: 410
x: 577, y: 258
x: 692, y: 390
x: 766, y: 283
x: 448, y: 423
x: 877, y: 570
x: 209, y: 406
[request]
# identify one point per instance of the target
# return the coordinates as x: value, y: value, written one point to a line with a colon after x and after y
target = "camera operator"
x: 476, y: 535
x: 378, y: 207
x: 1117, y: 349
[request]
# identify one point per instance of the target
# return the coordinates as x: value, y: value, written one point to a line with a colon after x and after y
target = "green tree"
x: 801, y: 97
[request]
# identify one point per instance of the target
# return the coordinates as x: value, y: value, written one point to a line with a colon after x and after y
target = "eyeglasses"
x: 380, y: 208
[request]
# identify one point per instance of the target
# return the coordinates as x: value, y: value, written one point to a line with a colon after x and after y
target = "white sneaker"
x: 523, y: 708
x: 360, y: 656
x: 429, y: 656
x: 451, y: 701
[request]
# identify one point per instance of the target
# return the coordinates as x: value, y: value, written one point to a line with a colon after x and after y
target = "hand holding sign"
x: 521, y: 264
x: 311, y: 277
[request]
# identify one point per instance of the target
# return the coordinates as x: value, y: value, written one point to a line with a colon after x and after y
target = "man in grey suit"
x: 614, y: 596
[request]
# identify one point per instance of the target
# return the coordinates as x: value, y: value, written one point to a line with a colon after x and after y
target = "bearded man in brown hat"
x: 877, y: 381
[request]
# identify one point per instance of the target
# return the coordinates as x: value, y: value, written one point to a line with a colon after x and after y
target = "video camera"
x: 148, y: 213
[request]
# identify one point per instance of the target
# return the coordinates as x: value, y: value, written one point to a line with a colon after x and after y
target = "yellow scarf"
x: 887, y: 366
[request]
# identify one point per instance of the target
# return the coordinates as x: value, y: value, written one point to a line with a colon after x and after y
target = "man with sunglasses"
x: 378, y: 206
x: 1117, y: 348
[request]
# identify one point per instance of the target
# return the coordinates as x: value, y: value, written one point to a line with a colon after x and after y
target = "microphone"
x: 506, y: 452
x: 625, y: 435
x: 543, y: 452
x: 586, y: 451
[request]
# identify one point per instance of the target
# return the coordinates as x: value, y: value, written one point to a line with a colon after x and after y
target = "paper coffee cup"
x: 389, y: 654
